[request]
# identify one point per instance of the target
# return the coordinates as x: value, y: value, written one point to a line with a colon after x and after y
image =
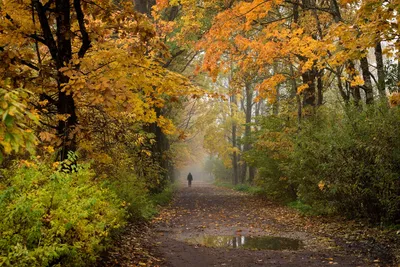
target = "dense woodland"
x: 102, y: 102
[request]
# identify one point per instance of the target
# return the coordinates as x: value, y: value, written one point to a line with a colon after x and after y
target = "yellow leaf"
x: 301, y: 88
x: 357, y: 81
x: 321, y: 185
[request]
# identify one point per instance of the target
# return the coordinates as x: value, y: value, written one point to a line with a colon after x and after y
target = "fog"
x: 197, y: 171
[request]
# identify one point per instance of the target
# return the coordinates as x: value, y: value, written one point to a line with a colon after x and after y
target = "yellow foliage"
x: 321, y: 185
x: 301, y: 88
x: 120, y: 79
x: 102, y: 158
x: 268, y: 87
x: 358, y: 80
x: 394, y: 99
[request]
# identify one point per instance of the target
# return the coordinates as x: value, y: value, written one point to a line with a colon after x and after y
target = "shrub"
x: 135, y: 193
x: 14, y: 117
x: 271, y: 156
x: 300, y: 206
x: 350, y: 162
x: 340, y: 161
x: 220, y: 171
x: 254, y: 190
x: 165, y: 197
x: 52, y: 218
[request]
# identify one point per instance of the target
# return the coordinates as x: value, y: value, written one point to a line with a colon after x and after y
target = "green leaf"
x: 9, y: 121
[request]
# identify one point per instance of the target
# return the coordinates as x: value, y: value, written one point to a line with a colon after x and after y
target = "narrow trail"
x: 207, y: 210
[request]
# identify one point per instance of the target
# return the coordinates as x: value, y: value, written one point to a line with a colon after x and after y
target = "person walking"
x: 190, y: 179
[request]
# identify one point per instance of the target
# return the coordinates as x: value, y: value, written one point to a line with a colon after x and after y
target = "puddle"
x: 247, y: 242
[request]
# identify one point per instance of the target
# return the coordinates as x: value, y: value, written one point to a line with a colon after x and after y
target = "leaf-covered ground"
x: 209, y: 210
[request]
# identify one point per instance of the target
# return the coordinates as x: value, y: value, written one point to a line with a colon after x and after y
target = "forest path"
x: 206, y: 210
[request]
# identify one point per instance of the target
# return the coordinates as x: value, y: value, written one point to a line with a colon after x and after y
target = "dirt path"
x: 207, y: 210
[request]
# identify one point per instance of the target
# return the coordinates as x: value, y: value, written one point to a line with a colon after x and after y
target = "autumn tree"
x: 83, y: 61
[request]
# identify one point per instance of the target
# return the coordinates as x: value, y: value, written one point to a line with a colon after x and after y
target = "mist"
x: 198, y: 172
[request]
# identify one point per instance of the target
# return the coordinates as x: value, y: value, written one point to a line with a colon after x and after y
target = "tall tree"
x: 82, y: 60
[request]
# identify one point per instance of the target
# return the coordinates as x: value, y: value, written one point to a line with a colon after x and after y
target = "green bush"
x: 165, y: 197
x: 242, y: 187
x: 271, y: 156
x: 220, y: 171
x: 300, y: 206
x: 348, y: 162
x: 224, y: 184
x: 51, y: 218
x: 135, y: 193
x: 255, y: 190
x: 341, y: 160
x: 15, y: 135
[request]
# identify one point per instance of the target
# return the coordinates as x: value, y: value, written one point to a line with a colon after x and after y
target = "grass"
x: 163, y: 198
x: 224, y: 184
x: 255, y: 190
x: 301, y: 207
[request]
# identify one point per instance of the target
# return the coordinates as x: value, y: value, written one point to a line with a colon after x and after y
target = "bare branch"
x: 44, y: 23
x: 86, y: 43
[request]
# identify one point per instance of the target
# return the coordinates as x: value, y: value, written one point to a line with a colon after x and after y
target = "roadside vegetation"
x: 103, y: 102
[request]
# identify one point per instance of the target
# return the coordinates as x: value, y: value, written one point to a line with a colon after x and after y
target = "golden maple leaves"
x: 121, y: 76
x: 258, y: 34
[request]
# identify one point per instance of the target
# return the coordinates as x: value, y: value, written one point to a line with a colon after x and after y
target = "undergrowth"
x: 255, y: 190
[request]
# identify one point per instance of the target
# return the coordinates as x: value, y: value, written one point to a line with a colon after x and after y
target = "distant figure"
x: 190, y: 179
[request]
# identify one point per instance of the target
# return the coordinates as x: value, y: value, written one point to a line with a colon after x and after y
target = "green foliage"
x: 350, y: 162
x: 270, y: 156
x: 15, y: 134
x: 249, y: 189
x: 165, y: 197
x: 134, y: 193
x: 301, y: 207
x: 338, y: 162
x: 220, y: 171
x: 130, y: 176
x: 141, y: 203
x: 242, y: 188
x: 209, y: 165
x: 52, y: 218
x: 392, y: 75
x: 224, y: 184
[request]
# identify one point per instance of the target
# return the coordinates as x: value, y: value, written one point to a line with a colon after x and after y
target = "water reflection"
x: 263, y: 242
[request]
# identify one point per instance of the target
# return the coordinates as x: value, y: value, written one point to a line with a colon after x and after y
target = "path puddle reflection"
x: 247, y: 242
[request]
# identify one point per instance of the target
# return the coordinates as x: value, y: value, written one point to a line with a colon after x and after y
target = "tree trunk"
x: 60, y: 50
x: 235, y: 179
x: 381, y: 71
x: 144, y: 6
x: 369, y: 94
x: 66, y: 104
x: 159, y: 149
x: 247, y: 130
x: 309, y: 93
x: 320, y: 87
x: 295, y: 94
x: 162, y: 144
x: 275, y: 106
x: 356, y: 95
x: 345, y: 94
x: 355, y: 90
x: 61, y: 53
x: 335, y: 11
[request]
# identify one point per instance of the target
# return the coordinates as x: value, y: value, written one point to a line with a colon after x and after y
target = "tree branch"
x: 48, y: 35
x: 48, y: 4
x: 307, y: 7
x: 86, y: 43
x: 168, y: 63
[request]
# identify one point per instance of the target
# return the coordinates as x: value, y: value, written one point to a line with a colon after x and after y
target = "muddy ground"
x: 174, y: 237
